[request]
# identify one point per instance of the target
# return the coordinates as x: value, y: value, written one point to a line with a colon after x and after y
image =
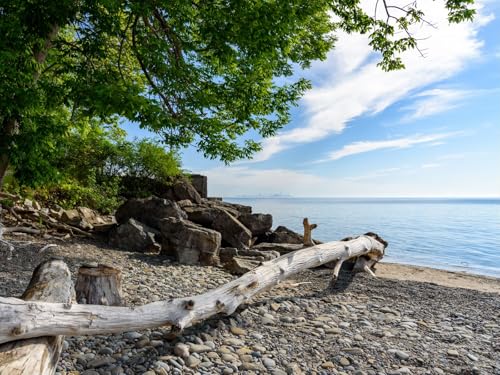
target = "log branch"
x: 20, y: 319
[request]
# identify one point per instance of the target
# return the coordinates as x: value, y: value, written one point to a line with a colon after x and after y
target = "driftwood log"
x: 51, y: 282
x: 21, y: 319
x: 99, y: 285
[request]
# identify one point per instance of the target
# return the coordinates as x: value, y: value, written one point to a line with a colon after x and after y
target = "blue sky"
x: 431, y: 130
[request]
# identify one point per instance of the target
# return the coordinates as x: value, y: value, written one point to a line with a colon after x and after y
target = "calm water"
x: 452, y: 234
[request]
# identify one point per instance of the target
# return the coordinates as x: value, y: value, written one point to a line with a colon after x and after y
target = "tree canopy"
x: 194, y: 72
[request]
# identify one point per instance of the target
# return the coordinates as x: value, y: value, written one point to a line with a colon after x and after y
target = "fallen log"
x: 20, y: 319
x: 51, y: 282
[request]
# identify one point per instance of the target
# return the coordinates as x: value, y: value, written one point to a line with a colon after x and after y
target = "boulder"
x: 234, y: 208
x: 182, y: 190
x: 201, y: 215
x: 233, y: 232
x: 189, y: 242
x: 199, y: 182
x: 257, y: 223
x: 239, y: 265
x: 134, y: 236
x: 149, y: 211
x: 281, y: 248
x: 285, y: 235
x: 73, y: 217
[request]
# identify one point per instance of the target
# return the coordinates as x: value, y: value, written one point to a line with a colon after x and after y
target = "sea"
x: 450, y: 234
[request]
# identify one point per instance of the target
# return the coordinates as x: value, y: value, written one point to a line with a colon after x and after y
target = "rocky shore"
x: 361, y: 326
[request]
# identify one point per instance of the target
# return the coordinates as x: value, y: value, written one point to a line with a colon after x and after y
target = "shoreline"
x: 453, y: 279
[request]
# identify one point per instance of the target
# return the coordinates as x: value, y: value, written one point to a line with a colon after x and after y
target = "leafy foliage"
x: 88, y: 165
x: 196, y: 72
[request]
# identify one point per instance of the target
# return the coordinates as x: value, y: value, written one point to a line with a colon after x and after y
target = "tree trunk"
x: 4, y: 165
x: 51, y: 282
x: 99, y: 285
x: 19, y: 320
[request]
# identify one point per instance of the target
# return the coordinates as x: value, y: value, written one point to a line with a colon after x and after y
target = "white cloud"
x: 435, y: 101
x: 368, y: 146
x: 351, y: 85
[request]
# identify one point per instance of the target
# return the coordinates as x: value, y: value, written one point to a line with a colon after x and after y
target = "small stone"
x: 401, y: 355
x: 142, y: 343
x: 238, y: 331
x: 249, y: 366
x: 132, y: 335
x: 328, y: 364
x: 472, y: 357
x: 192, y: 361
x: 99, y: 362
x: 268, y: 362
x: 233, y: 342
x: 197, y: 348
x: 181, y: 350
x: 358, y: 337
x: 105, y: 351
x: 453, y: 352
x: 344, y: 361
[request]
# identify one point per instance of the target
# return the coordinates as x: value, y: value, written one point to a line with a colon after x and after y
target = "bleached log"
x: 51, y: 282
x: 20, y: 319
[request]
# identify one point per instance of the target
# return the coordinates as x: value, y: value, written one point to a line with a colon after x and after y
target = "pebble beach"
x: 408, y: 320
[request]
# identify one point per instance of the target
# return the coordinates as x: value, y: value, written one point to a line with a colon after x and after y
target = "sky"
x: 430, y: 130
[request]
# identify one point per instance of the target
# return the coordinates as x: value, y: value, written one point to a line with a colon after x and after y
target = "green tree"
x: 195, y: 72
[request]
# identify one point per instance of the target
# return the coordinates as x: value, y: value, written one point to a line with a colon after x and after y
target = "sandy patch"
x: 439, y: 277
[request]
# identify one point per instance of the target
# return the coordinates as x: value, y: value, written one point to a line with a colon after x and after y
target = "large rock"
x: 134, y: 236
x: 201, y: 215
x: 199, y: 182
x: 182, y: 190
x: 233, y: 232
x: 189, y: 242
x: 257, y: 223
x: 284, y: 235
x: 149, y: 211
x: 235, y: 209
x: 282, y: 248
x: 239, y: 265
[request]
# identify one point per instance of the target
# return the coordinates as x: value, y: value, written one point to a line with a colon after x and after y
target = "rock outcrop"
x: 258, y: 224
x: 189, y: 242
x: 233, y: 232
x: 135, y: 236
x: 149, y: 211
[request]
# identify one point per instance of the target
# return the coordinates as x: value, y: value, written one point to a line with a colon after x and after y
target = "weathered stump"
x: 101, y: 285
x: 51, y: 282
x: 308, y: 241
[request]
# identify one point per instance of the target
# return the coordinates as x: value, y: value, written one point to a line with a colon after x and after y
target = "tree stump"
x: 308, y: 241
x: 51, y: 282
x: 100, y: 285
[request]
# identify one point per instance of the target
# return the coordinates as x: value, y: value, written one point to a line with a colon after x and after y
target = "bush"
x: 90, y: 167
